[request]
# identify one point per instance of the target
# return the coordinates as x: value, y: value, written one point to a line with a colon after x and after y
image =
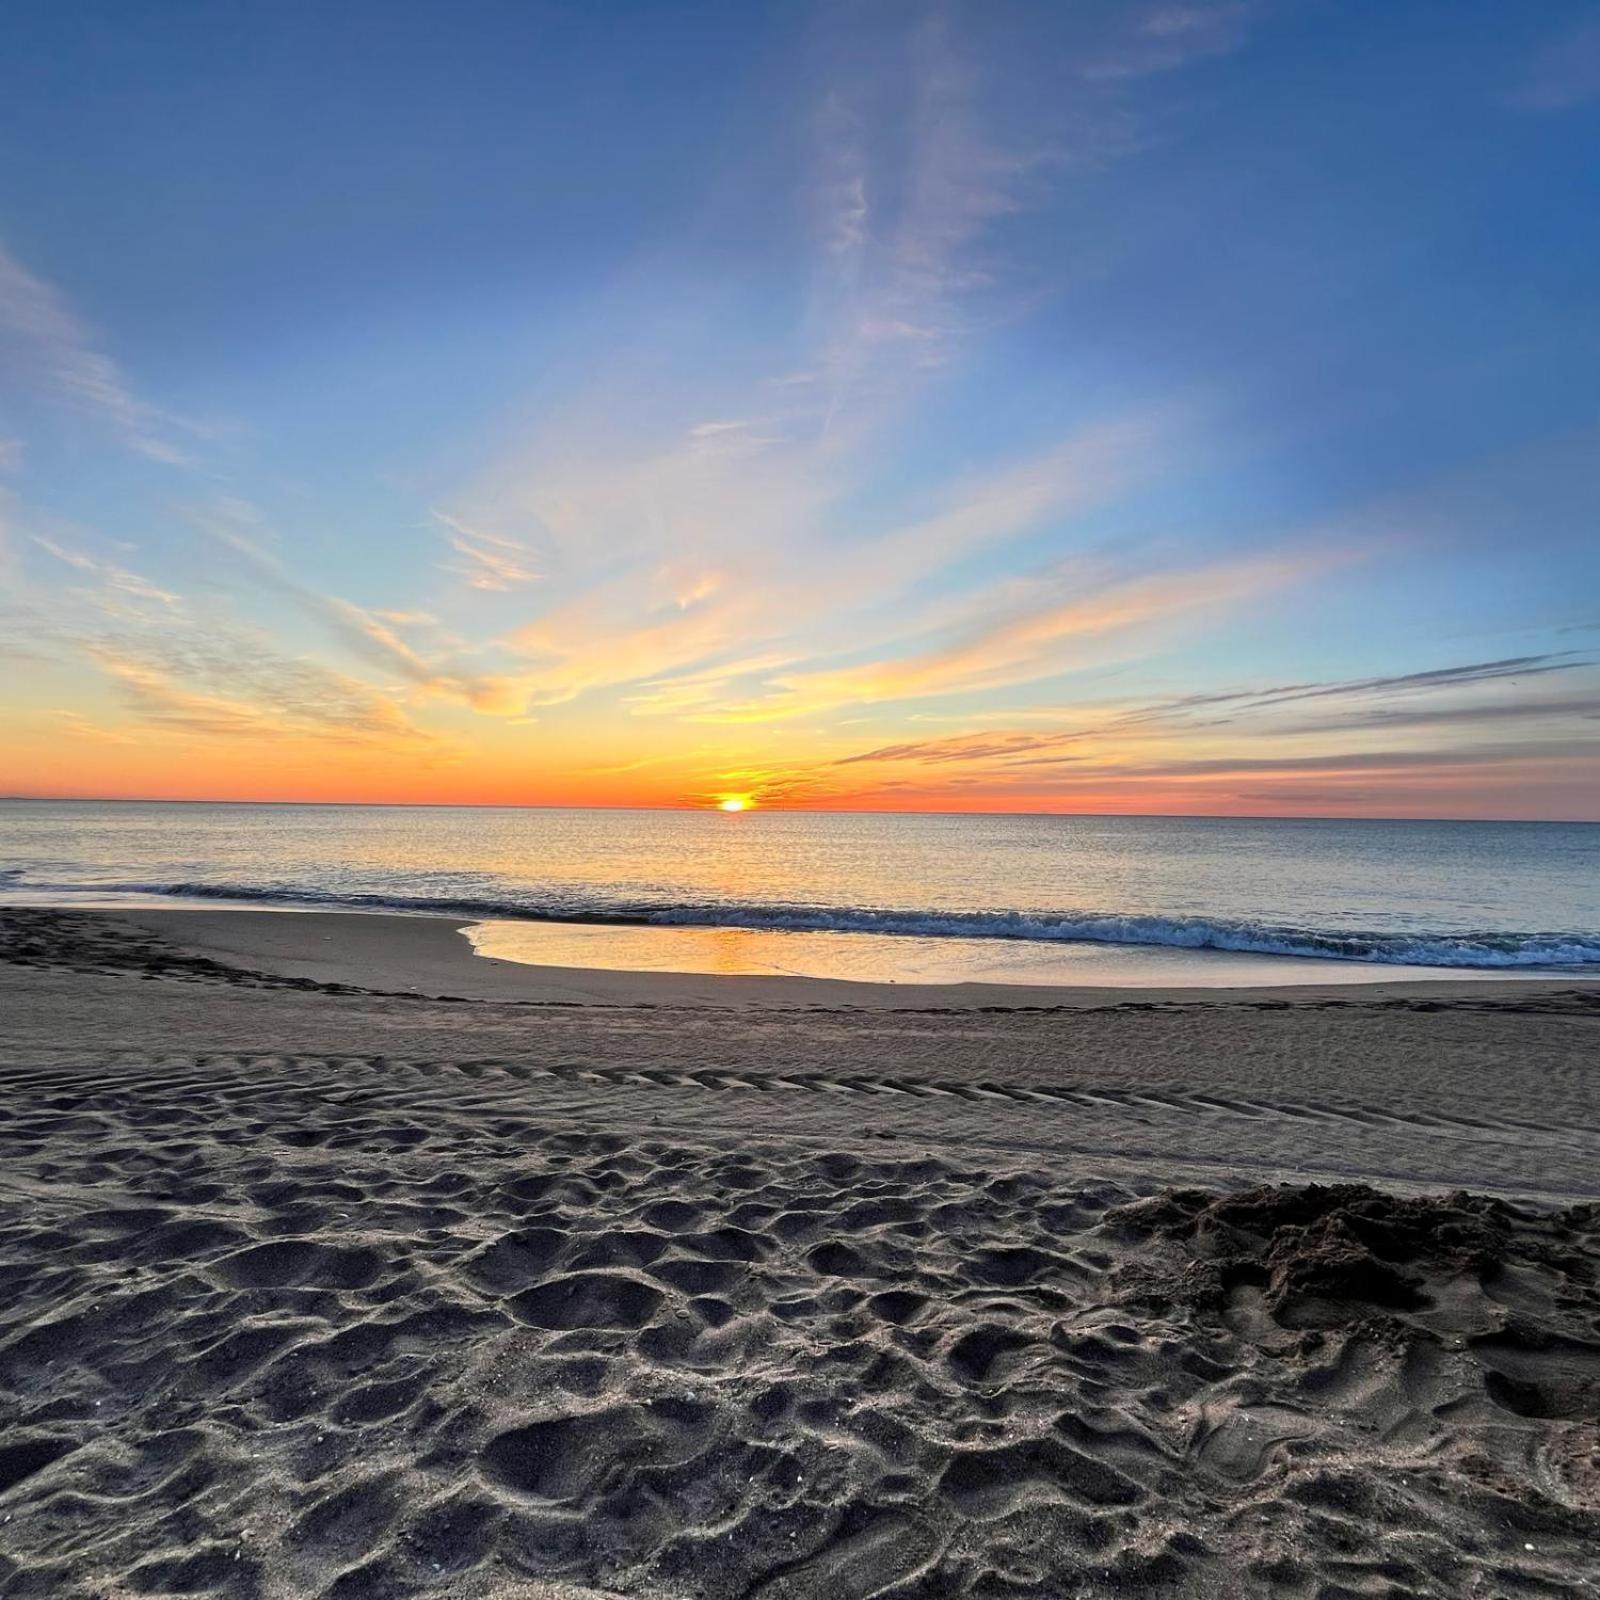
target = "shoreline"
x: 429, y: 954
x: 1466, y: 1085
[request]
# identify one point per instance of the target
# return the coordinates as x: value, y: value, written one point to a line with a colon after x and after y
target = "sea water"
x: 932, y: 898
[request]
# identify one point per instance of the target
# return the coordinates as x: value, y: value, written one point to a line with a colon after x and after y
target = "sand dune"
x: 639, y: 1304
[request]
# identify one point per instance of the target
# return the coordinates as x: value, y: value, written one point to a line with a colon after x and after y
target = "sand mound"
x: 1317, y: 1252
x: 299, y: 1333
x: 1516, y: 1289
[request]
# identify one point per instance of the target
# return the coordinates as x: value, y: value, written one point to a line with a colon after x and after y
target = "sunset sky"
x: 1156, y: 407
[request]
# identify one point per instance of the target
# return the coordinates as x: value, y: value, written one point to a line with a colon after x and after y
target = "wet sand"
x: 342, y: 1262
x: 430, y: 955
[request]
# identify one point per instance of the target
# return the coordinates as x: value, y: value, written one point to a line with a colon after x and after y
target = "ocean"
x: 890, y: 897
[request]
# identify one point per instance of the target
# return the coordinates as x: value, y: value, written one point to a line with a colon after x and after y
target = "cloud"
x: 1507, y: 669
x: 489, y: 561
x: 44, y: 345
x: 1464, y: 723
x: 766, y: 786
x: 905, y: 203
x: 217, y: 684
x: 174, y: 673
x: 1330, y: 761
x: 690, y: 628
x: 1142, y: 780
x: 963, y: 747
x: 735, y: 437
x: 1547, y: 709
x: 1041, y: 631
x: 683, y: 546
x: 106, y: 572
x: 237, y: 528
x: 1166, y: 38
x: 694, y: 691
x: 77, y: 726
x: 181, y: 672
x: 640, y: 504
x: 1453, y: 677
x: 688, y: 551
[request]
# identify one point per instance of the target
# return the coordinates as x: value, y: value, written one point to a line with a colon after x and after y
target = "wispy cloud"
x: 206, y: 682
x: 44, y: 345
x: 1545, y: 709
x: 1370, y: 699
x: 803, y: 502
x: 76, y: 726
x: 193, y: 671
x: 1462, y: 722
x: 108, y: 573
x: 214, y: 679
x: 727, y: 557
x: 725, y: 530
x: 963, y: 747
x: 1040, y: 632
x: 695, y: 630
x: 1507, y: 669
x: 238, y: 528
x: 905, y: 212
x: 1164, y: 38
x: 1367, y: 761
x: 487, y: 560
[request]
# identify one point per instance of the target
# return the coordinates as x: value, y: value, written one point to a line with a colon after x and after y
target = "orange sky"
x: 136, y: 764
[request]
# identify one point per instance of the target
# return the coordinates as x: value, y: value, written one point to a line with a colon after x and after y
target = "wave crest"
x: 1467, y: 950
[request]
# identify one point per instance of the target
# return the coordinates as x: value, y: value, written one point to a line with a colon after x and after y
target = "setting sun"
x: 734, y: 802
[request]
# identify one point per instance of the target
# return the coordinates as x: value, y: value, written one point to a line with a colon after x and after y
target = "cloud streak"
x: 210, y: 684
x: 366, y: 634
x: 1470, y: 728
x: 181, y: 673
x: 1044, y: 633
x: 1167, y: 37
x: 44, y: 345
x: 689, y: 624
x: 487, y: 560
x: 108, y: 573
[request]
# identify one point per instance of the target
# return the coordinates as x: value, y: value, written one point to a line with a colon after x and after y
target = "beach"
x: 342, y: 1261
x: 799, y: 802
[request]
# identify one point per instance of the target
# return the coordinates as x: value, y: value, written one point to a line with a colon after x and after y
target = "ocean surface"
x: 903, y: 898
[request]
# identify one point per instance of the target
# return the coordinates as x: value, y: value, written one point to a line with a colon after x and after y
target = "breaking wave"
x: 1474, y: 949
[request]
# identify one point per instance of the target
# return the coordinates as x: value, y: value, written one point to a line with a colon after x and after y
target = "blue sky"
x: 1016, y: 406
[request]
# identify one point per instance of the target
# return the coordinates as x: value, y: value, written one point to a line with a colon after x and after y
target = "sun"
x: 735, y: 802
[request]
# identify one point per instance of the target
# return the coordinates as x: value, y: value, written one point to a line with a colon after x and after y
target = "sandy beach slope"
x: 336, y: 1265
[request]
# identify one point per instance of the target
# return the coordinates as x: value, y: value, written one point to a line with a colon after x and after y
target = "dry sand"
x: 317, y: 1282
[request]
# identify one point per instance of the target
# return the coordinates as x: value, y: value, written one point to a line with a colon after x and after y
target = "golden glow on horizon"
x: 734, y: 802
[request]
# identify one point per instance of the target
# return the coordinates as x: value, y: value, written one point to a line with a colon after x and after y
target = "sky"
x: 1101, y: 407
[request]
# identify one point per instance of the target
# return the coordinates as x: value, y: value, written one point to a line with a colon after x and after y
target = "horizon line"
x: 804, y: 811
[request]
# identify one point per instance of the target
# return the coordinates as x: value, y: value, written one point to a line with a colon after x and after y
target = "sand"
x: 336, y: 1265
